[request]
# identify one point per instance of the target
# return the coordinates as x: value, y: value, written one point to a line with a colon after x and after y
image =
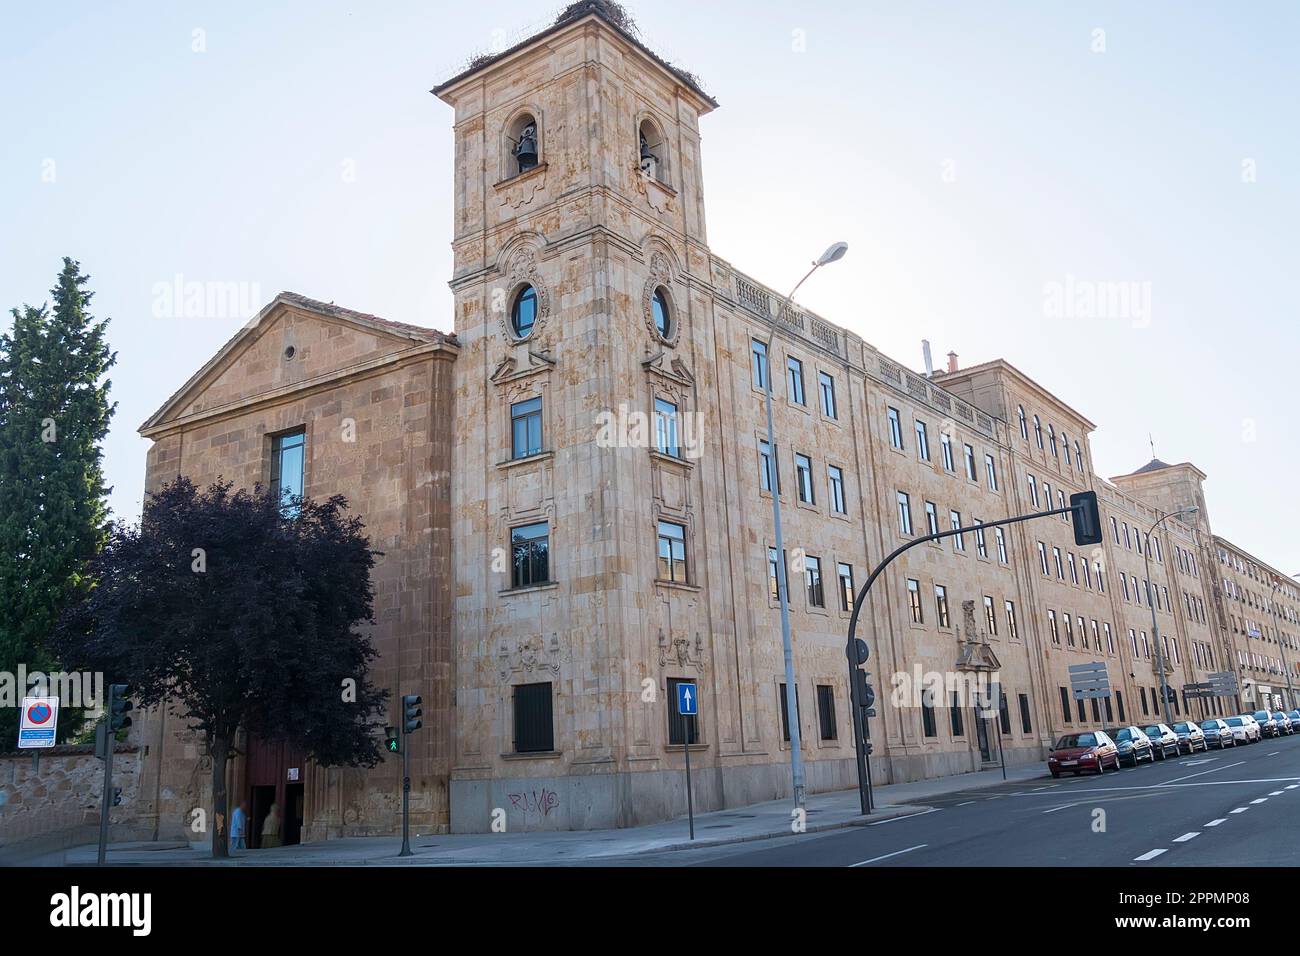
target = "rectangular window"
x: 914, y: 600
x: 773, y: 581
x: 826, y: 711
x: 1051, y: 626
x: 981, y: 545
x: 1010, y: 608
x: 758, y: 353
x: 803, y: 478
x: 970, y: 463
x: 666, y: 430
x: 922, y: 441
x: 836, y: 478
x: 768, y: 472
x: 1002, y: 545
x: 1033, y: 491
x: 680, y: 727
x: 990, y: 615
x: 991, y: 472
x: 1065, y: 705
x: 1069, y: 630
x: 531, y: 548
x: 927, y: 716
x: 847, y: 592
x: 1060, y: 568
x: 904, y: 513
x: 931, y: 518
x: 1119, y: 703
x: 672, y: 552
x: 945, y: 442
x: 526, y: 427
x: 958, y: 540
x: 785, y: 712
x: 794, y: 368
x: 534, y: 722
x: 954, y: 709
x: 1074, y: 571
x: 941, y: 605
x: 1042, y: 558
x: 827, y: 386
x: 812, y: 569
x: 288, y: 458
x: 1004, y: 715
x: 1026, y: 726
x: 895, y: 428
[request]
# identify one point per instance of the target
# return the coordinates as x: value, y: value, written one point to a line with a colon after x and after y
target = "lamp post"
x: 1281, y: 646
x: 833, y: 254
x: 1155, y: 625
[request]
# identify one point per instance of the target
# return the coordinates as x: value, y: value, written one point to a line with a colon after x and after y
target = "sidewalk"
x: 763, y: 821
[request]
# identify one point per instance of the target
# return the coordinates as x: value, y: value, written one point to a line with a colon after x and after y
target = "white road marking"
x: 1291, y: 786
x: 1239, y: 810
x: 1215, y: 823
x: 1193, y: 763
x: 876, y: 859
x: 1275, y: 753
x: 1200, y: 773
x: 1149, y: 855
x: 966, y: 804
x: 1260, y: 800
x: 909, y: 816
x: 1063, y: 807
x: 1186, y: 836
x: 1277, y: 793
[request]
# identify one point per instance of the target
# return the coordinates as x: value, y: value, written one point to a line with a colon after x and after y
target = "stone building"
x: 574, y: 494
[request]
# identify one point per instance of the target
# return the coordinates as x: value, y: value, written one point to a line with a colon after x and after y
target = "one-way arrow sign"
x: 687, y: 698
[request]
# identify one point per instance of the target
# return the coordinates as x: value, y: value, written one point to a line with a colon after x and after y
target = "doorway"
x: 293, y: 806
x: 982, y: 734
x: 259, y: 807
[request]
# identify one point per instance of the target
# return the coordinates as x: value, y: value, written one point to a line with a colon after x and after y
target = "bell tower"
x: 578, y: 241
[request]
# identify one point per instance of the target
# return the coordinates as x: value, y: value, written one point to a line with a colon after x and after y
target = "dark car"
x: 1218, y: 733
x: 1133, y: 745
x: 1091, y: 750
x: 1191, y: 736
x: 1163, y: 739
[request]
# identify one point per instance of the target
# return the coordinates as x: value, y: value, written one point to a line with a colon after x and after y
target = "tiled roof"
x: 1155, y: 464
x: 329, y: 308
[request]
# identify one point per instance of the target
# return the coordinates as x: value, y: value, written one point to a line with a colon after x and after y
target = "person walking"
x: 239, y: 826
x: 271, y: 828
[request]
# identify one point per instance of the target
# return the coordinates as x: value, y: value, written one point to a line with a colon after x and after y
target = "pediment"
x: 291, y: 341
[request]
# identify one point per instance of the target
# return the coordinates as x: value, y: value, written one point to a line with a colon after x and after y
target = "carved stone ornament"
x: 973, y: 650
x: 522, y: 269
x: 661, y: 275
x: 659, y: 196
x: 519, y: 191
x: 531, y: 657
x: 680, y: 653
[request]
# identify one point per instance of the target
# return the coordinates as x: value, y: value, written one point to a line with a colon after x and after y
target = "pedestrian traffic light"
x: 117, y: 796
x: 392, y: 740
x: 118, y: 707
x: 1087, y: 521
x: 411, y: 713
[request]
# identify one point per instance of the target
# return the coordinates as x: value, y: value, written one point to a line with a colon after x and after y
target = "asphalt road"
x: 1236, y: 807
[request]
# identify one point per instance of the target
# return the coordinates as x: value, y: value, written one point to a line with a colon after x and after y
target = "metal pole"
x: 107, y: 796
x: 690, y: 803
x: 406, y: 794
x: 1002, y: 757
x: 782, y: 585
x: 1281, y: 648
x: 1155, y: 626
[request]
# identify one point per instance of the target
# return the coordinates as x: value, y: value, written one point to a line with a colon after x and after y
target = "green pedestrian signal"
x: 392, y: 740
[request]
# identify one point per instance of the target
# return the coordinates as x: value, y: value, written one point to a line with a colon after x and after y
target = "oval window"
x: 524, y: 312
x: 660, y: 306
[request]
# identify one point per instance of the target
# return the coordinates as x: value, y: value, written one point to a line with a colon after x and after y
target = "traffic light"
x: 411, y: 713
x: 865, y: 693
x: 392, y: 740
x: 117, y: 796
x: 118, y: 707
x: 1087, y: 520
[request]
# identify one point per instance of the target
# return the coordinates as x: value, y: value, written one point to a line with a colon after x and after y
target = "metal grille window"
x: 794, y: 371
x: 826, y: 712
x: 666, y: 431
x: 680, y: 727
x: 526, y: 428
x: 288, y: 460
x: 672, y: 552
x: 785, y: 711
x: 531, y: 548
x: 534, y: 721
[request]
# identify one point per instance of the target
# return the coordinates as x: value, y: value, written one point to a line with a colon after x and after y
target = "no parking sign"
x: 40, y: 717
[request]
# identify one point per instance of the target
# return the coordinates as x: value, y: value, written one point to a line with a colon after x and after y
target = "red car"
x: 1091, y: 750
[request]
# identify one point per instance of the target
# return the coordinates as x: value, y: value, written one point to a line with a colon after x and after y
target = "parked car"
x: 1295, y: 718
x: 1132, y: 743
x: 1284, y: 722
x: 1218, y: 733
x: 1163, y: 739
x: 1267, y: 725
x: 1091, y: 750
x: 1244, y: 729
x: 1190, y: 736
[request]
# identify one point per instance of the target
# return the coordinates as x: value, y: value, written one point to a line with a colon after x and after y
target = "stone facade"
x: 606, y: 227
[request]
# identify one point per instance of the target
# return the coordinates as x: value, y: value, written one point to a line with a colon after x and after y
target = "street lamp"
x: 833, y: 254
x: 1281, y: 646
x: 1155, y: 626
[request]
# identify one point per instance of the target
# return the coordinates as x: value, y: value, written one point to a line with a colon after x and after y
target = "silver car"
x: 1190, y: 736
x: 1284, y: 722
x: 1218, y: 733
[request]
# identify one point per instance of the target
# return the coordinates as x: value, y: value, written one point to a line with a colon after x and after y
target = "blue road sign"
x: 687, y: 700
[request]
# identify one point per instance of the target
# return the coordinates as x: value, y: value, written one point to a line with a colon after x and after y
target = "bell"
x: 645, y: 151
x: 526, y: 150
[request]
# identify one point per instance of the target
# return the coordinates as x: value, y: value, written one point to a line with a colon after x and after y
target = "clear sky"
x: 975, y: 156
